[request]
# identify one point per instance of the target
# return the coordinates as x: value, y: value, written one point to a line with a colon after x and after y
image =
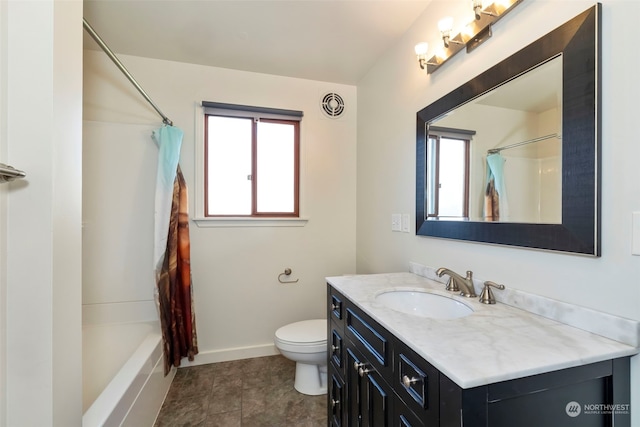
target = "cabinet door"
x: 378, y: 397
x: 369, y: 397
x: 403, y: 417
x: 353, y: 388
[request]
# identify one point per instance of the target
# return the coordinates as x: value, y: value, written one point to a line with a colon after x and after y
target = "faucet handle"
x: 452, y: 285
x: 486, y: 297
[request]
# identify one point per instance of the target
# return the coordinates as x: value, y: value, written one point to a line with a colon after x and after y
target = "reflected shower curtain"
x: 174, y: 292
x: 495, y: 196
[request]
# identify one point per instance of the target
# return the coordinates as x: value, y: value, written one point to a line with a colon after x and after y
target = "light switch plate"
x: 406, y: 218
x: 396, y: 222
x: 635, y: 233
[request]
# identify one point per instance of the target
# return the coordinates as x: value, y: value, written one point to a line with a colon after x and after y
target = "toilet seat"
x: 307, y: 333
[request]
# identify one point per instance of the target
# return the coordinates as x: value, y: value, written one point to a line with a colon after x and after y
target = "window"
x: 448, y: 173
x: 251, y: 157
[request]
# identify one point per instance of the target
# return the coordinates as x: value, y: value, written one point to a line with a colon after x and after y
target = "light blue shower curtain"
x: 169, y: 141
x: 496, y: 207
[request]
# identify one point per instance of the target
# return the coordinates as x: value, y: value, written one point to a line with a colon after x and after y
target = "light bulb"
x: 445, y: 24
x: 421, y: 48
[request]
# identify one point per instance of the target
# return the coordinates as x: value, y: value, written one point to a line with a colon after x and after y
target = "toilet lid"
x: 307, y: 331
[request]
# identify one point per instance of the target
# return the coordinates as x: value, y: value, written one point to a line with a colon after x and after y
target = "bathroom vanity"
x: 498, y: 366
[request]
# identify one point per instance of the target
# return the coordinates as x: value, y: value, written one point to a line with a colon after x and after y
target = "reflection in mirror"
x: 448, y: 173
x: 517, y: 124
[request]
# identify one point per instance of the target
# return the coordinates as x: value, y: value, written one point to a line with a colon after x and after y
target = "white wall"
x: 395, y: 89
x: 239, y: 302
x: 3, y: 216
x: 117, y: 216
x: 41, y: 83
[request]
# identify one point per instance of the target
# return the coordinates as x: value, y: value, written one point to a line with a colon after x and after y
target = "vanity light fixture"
x: 474, y: 34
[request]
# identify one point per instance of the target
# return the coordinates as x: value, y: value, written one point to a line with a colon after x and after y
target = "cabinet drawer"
x: 335, y: 303
x: 413, y: 381
x: 336, y: 401
x: 416, y: 382
x: 370, y: 337
x: 336, y: 346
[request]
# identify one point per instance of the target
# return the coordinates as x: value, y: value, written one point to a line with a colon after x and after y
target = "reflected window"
x: 448, y: 174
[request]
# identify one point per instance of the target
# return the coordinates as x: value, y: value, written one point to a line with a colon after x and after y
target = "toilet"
x: 306, y: 344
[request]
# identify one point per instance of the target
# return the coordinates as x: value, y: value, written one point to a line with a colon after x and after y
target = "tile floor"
x: 242, y: 393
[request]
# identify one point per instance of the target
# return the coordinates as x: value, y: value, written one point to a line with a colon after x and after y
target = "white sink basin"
x: 423, y: 304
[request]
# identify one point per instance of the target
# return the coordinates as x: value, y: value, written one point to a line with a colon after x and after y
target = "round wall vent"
x: 333, y: 105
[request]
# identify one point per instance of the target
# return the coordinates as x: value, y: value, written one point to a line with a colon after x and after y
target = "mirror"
x: 512, y: 156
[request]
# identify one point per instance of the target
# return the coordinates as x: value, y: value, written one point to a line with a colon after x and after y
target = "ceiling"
x: 536, y: 91
x: 336, y: 41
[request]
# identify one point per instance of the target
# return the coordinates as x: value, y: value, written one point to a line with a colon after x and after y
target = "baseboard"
x: 225, y: 355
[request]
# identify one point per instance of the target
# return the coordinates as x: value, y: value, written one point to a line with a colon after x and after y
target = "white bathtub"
x: 123, y: 379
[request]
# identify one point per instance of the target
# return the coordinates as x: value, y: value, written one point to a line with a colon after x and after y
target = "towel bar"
x: 8, y: 173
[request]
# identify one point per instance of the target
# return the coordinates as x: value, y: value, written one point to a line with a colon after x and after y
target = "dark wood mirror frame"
x: 578, y: 41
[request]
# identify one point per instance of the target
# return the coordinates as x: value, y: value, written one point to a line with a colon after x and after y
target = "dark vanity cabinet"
x: 374, y: 379
x: 360, y: 368
x: 377, y: 380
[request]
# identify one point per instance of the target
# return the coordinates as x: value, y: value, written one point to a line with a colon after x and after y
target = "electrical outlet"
x: 396, y: 222
x: 406, y: 218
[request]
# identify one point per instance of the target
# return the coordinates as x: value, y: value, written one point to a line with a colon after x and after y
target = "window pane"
x: 431, y: 176
x: 228, y: 166
x: 452, y: 177
x: 275, y: 167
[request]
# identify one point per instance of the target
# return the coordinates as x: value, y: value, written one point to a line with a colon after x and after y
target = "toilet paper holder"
x: 287, y: 272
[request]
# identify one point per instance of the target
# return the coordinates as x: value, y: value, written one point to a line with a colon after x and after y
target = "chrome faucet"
x: 458, y: 283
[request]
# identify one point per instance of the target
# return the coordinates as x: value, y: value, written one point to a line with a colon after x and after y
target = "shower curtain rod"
x: 122, y: 68
x: 518, y: 144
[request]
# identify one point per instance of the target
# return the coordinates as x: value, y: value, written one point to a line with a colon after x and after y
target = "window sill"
x: 249, y: 222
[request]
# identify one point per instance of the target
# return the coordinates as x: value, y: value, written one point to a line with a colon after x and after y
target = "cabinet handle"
x: 335, y: 306
x: 362, y: 371
x: 408, y: 381
x: 335, y: 348
x: 357, y: 365
x: 334, y: 403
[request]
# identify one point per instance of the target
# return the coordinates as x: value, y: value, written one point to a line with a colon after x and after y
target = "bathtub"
x: 123, y: 378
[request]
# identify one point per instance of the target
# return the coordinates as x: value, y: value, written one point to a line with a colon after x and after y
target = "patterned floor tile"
x: 241, y: 393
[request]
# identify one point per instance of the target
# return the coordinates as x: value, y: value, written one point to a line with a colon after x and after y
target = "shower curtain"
x: 495, y: 197
x: 174, y: 292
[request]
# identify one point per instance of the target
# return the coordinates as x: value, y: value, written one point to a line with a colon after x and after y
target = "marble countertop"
x: 495, y: 343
